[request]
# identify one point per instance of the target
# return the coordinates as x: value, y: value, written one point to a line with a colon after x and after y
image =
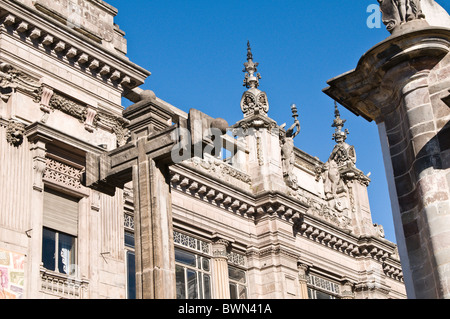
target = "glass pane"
x: 207, y: 285
x: 131, y: 267
x: 129, y: 239
x: 192, y: 284
x: 310, y: 294
x: 66, y: 254
x: 242, y: 292
x: 180, y: 282
x: 205, y: 262
x: 233, y: 291
x: 48, y: 249
x: 321, y: 295
x: 184, y: 257
x: 236, y: 274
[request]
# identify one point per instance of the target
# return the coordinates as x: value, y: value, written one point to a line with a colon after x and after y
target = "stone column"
x: 402, y: 83
x: 347, y: 291
x: 220, y: 269
x: 302, y: 269
x: 155, y: 256
x: 38, y: 149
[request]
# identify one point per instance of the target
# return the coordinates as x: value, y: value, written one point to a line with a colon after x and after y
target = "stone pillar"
x: 347, y: 291
x: 402, y: 83
x: 220, y: 269
x: 38, y: 150
x: 302, y: 269
x: 155, y: 256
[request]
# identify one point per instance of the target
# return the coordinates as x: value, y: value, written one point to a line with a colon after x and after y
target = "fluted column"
x: 220, y: 269
x: 302, y: 269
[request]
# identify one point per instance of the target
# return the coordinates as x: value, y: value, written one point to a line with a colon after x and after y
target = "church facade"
x: 98, y: 201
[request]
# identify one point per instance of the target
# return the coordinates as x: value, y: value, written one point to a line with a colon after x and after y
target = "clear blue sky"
x: 196, y: 49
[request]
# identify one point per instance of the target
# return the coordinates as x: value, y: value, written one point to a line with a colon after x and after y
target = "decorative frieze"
x: 219, y: 168
x: 63, y: 174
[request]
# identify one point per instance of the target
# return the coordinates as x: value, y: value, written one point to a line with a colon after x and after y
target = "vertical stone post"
x: 155, y: 257
x: 220, y: 269
x: 38, y: 149
x: 302, y: 269
x: 347, y: 291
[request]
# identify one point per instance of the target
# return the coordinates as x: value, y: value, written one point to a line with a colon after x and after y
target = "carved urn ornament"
x: 253, y: 101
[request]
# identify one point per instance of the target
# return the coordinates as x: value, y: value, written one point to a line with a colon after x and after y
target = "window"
x: 60, y: 232
x: 320, y: 288
x: 130, y: 254
x: 59, y: 252
x: 238, y: 283
x: 193, y: 275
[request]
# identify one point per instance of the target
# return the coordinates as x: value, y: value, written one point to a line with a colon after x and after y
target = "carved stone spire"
x: 253, y: 101
x: 251, y: 80
x: 338, y: 123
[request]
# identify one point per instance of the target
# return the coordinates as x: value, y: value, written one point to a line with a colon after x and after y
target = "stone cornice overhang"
x: 226, y: 196
x: 79, y: 51
x: 38, y: 130
x: 372, y: 90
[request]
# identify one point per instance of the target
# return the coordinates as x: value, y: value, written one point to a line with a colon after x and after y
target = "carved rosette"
x: 15, y: 132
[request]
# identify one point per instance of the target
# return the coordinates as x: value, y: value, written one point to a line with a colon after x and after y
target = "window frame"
x: 237, y: 283
x: 73, y: 264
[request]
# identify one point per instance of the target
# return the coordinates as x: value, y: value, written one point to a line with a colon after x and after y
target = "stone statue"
x: 287, y: 150
x: 343, y: 155
x: 397, y: 12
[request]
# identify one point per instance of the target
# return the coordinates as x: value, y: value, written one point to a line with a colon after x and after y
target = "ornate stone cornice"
x: 315, y: 228
x: 109, y: 68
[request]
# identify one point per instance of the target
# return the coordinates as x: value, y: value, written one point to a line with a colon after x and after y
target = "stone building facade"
x: 156, y: 202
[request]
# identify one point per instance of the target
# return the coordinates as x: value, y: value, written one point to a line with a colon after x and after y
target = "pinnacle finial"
x: 338, y: 123
x: 251, y: 80
x: 249, y: 52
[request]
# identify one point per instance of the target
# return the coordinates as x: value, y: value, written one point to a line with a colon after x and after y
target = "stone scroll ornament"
x: 397, y: 12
